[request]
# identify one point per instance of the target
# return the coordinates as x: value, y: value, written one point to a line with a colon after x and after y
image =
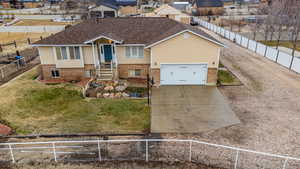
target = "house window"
x: 134, y: 52
x: 58, y: 53
x: 64, y: 53
x: 135, y: 73
x: 55, y: 73
x: 74, y: 52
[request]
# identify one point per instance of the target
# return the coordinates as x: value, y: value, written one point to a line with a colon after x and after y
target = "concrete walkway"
x: 189, y: 109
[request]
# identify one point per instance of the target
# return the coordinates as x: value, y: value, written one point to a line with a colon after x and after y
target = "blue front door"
x: 107, y: 53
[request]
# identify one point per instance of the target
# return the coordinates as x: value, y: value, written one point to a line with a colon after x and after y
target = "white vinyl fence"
x: 31, y: 28
x: 280, y: 57
x: 200, y: 152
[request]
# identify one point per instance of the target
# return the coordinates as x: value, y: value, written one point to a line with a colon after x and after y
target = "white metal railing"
x: 54, y: 146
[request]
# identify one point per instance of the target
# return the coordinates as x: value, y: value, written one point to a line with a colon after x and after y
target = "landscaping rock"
x: 120, y: 88
x: 125, y: 94
x: 99, y: 95
x: 5, y: 130
x: 109, y: 88
x: 112, y: 95
x: 106, y: 95
x: 118, y: 95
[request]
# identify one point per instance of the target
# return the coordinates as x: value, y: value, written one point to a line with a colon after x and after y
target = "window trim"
x: 68, y: 53
x: 55, y: 74
x: 129, y: 50
x: 134, y: 70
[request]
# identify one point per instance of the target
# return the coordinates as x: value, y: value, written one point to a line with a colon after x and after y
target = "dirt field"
x: 20, y: 38
x: 267, y: 105
x: 32, y: 22
x: 109, y: 165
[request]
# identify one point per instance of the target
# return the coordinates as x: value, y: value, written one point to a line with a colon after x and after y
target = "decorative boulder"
x: 109, y: 88
x: 118, y: 95
x: 5, y: 130
x: 106, y: 95
x: 99, y: 95
x: 120, y: 88
x: 112, y: 95
x: 125, y: 94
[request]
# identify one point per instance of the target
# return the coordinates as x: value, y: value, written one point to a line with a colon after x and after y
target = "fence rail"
x: 215, y: 155
x: 280, y: 57
x: 6, y: 70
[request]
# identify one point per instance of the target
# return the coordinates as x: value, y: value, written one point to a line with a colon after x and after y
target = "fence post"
x: 292, y: 61
x: 11, y: 153
x: 277, y: 56
x: 147, y: 153
x: 266, y: 51
x: 28, y: 40
x: 248, y: 43
x: 190, y: 157
x: 99, y: 151
x: 236, y: 159
x: 256, y: 44
x: 15, y: 43
x: 54, y: 152
x: 284, y: 164
x: 1, y: 48
x: 2, y: 73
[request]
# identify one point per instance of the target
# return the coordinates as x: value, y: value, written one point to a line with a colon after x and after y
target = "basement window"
x: 135, y: 73
x: 55, y: 73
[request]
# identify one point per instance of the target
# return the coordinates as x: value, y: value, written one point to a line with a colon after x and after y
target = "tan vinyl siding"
x: 88, y: 54
x: 179, y: 49
x: 122, y: 59
x: 46, y: 55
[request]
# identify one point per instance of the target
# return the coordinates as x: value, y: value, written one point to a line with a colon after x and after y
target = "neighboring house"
x: 183, y: 6
x: 172, y: 53
x: 114, y: 8
x: 208, y: 7
x: 31, y: 3
x: 170, y: 12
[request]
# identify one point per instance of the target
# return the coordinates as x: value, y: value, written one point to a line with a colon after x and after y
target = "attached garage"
x: 183, y: 74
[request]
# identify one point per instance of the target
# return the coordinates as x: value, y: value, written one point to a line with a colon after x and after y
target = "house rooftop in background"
x: 116, y: 3
x: 209, y: 3
x: 181, y: 5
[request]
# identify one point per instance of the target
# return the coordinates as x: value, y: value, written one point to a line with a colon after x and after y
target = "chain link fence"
x: 168, y: 150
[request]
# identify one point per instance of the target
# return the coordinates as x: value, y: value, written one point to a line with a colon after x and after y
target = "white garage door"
x: 183, y: 74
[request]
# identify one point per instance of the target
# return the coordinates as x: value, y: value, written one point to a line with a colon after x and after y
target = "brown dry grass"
x: 20, y: 38
x: 32, y: 22
x: 110, y: 165
x: 7, y: 37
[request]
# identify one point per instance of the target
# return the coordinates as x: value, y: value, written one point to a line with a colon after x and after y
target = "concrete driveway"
x: 189, y: 109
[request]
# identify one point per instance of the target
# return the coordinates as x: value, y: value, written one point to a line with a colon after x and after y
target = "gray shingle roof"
x: 133, y: 30
x: 209, y: 3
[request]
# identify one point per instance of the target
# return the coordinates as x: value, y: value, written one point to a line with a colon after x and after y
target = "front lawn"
x: 30, y: 107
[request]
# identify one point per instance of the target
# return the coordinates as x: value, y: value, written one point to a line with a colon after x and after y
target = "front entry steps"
x: 105, y: 74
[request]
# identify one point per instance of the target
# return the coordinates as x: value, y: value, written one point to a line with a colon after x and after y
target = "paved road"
x: 189, y: 109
